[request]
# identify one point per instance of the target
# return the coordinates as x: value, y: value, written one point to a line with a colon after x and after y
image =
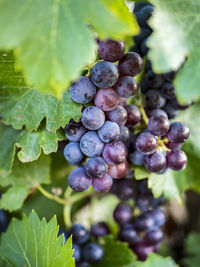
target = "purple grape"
x: 96, y: 167
x: 92, y: 253
x: 109, y: 132
x: 78, y: 180
x: 173, y: 146
x: 122, y: 213
x: 126, y: 86
x: 123, y: 101
x: 168, y: 90
x: 130, y: 64
x: 118, y: 115
x: 91, y: 145
x: 79, y: 234
x: 136, y: 158
x: 77, y: 253
x: 93, y: 118
x: 123, y: 188
x: 134, y: 115
x: 158, y: 125
x: 158, y: 112
x: 119, y: 170
x: 115, y: 153
x: 154, y: 236
x: 111, y: 50
x: 125, y: 135
x: 143, y: 202
x: 154, y: 99
x: 103, y: 184
x: 74, y: 131
x: 106, y: 99
x: 146, y: 143
x: 155, y: 162
x: 99, y: 229
x: 144, y: 15
x: 159, y: 217
x: 73, y: 154
x: 83, y: 90
x: 144, y: 222
x: 128, y: 234
x: 171, y: 111
x: 176, y: 160
x: 142, y: 249
x: 142, y: 187
x: 104, y: 74
x: 178, y: 132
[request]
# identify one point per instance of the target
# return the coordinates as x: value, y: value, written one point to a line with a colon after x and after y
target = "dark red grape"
x: 111, y: 50
x: 172, y: 145
x: 115, y: 153
x: 178, y: 132
x: 106, y: 99
x: 146, y: 143
x: 119, y: 170
x: 126, y: 86
x: 78, y: 180
x: 130, y: 64
x: 93, y: 118
x: 96, y: 167
x: 158, y: 125
x: 118, y: 115
x: 155, y: 162
x: 109, y: 132
x: 134, y: 115
x: 103, y: 184
x: 176, y: 160
x: 122, y: 213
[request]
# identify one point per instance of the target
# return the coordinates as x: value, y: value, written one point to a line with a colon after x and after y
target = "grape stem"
x: 144, y: 115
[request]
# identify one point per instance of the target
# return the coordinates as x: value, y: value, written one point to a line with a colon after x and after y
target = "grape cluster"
x: 139, y: 225
x: 86, y: 253
x: 102, y: 135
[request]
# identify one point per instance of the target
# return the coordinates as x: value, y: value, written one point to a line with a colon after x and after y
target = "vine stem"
x: 144, y: 115
x: 51, y: 196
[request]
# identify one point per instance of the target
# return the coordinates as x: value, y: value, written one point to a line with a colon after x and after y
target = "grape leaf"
x: 29, y: 143
x: 155, y: 260
x: 22, y: 105
x: 176, y: 35
x: 115, y: 253
x: 31, y: 242
x: 23, y: 177
x: 60, y: 43
x: 192, y: 250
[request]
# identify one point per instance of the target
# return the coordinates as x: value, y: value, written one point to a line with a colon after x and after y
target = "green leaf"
x: 155, y: 260
x: 23, y: 177
x: 60, y: 43
x: 32, y: 242
x: 22, y: 105
x: 175, y: 36
x: 30, y: 145
x: 116, y: 253
x: 192, y: 250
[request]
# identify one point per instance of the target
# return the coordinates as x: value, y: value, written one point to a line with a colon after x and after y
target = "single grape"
x: 154, y: 236
x: 159, y: 217
x: 134, y: 115
x: 99, y: 229
x: 93, y: 118
x: 79, y: 234
x: 118, y: 115
x: 123, y: 188
x: 78, y: 180
x: 115, y: 153
x: 155, y: 162
x: 173, y: 146
x: 93, y: 253
x: 128, y: 234
x: 74, y: 131
x: 126, y: 86
x: 136, y: 158
x: 171, y: 111
x: 146, y: 143
x: 142, y: 249
x: 158, y: 125
x: 125, y: 135
x: 144, y: 15
x: 154, y: 99
x: 130, y: 64
x: 96, y: 167
x: 106, y: 99
x: 122, y: 213
x: 83, y: 90
x: 77, y: 253
x: 111, y: 50
x: 144, y: 222
x: 103, y: 184
x: 176, y: 160
x: 119, y: 170
x: 178, y: 132
x: 168, y: 90
x: 109, y: 132
x: 91, y: 145
x: 73, y: 154
x: 154, y: 80
x: 143, y: 202
x: 158, y: 112
x: 159, y: 201
x: 104, y: 74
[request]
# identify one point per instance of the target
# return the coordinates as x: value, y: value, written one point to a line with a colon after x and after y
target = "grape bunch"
x: 86, y: 253
x: 139, y: 225
x: 99, y: 141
